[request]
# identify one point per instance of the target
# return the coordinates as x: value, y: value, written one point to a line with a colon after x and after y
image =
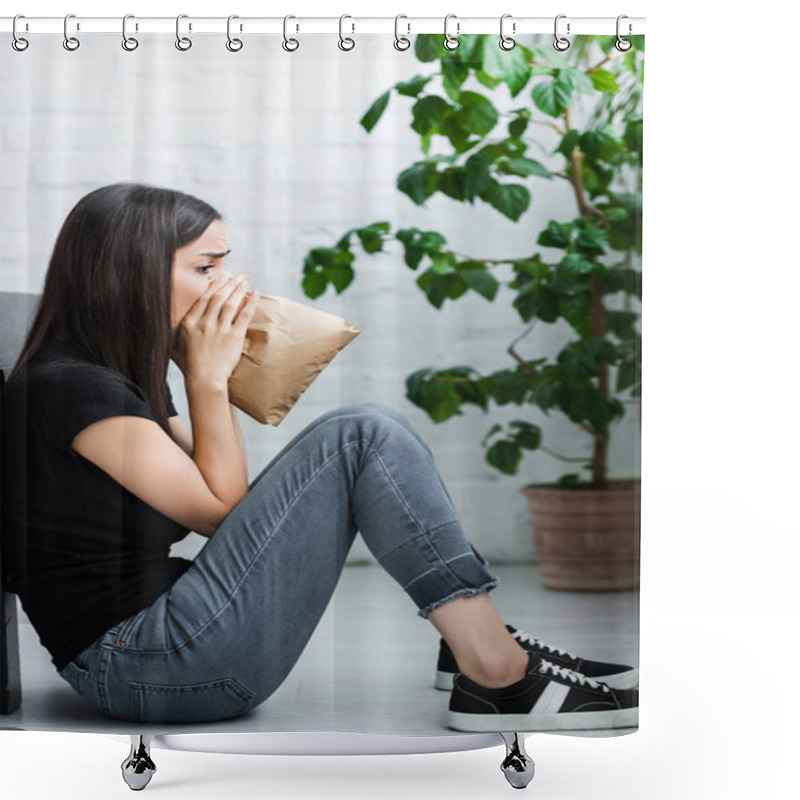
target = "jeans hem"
x: 467, y: 591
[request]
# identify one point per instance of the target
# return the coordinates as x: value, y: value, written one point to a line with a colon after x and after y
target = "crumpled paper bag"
x: 286, y: 346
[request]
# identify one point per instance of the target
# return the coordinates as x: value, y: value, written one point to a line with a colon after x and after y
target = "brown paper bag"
x: 287, y: 345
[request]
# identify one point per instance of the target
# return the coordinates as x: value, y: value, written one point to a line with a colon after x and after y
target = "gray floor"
x: 369, y: 667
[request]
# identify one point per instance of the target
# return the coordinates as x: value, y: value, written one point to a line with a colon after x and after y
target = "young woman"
x: 100, y: 477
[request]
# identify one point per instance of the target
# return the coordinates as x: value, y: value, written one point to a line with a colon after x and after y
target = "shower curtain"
x: 476, y: 213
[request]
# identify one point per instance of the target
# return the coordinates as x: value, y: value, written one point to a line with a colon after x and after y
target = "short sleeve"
x: 64, y: 401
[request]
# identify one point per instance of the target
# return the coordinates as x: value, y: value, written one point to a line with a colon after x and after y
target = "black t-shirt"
x: 81, y: 551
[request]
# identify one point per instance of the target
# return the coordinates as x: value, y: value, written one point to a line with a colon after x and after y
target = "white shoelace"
x: 526, y: 638
x: 574, y: 677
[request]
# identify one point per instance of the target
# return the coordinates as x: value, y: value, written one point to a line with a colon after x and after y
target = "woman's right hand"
x: 210, y: 337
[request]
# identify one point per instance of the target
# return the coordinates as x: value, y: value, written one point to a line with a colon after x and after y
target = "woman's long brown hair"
x: 108, y: 287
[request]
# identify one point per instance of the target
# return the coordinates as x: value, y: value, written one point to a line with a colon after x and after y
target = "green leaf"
x: 441, y: 263
x: 481, y: 281
x: 569, y: 142
x: 510, y: 199
x: 413, y: 87
x: 438, y: 398
x: 477, y: 115
x: 496, y: 428
x: 505, y: 456
x: 428, y: 47
x: 451, y: 183
x: 509, y: 65
x: 477, y: 178
x: 454, y: 73
x: 604, y: 81
x: 314, y: 284
x: 526, y: 167
x: 418, y: 182
x: 628, y: 374
x: 510, y: 386
x: 487, y: 80
x: 517, y: 126
x: 556, y: 234
x: 592, y: 241
x: 552, y: 97
x: 529, y: 436
x: 370, y: 119
x: 340, y: 277
x: 371, y: 237
x: 428, y: 112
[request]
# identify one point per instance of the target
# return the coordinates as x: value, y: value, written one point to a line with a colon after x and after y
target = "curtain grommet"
x: 18, y: 42
x: 234, y: 45
x: 129, y: 43
x: 623, y: 45
x: 289, y: 45
x: 450, y: 42
x: 70, y: 42
x: 183, y: 43
x: 345, y: 42
x: 507, y: 42
x: 560, y: 43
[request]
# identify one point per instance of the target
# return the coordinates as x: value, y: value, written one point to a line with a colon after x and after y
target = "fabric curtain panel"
x: 474, y: 216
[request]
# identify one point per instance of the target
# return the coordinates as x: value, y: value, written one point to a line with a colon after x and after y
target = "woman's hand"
x: 210, y: 337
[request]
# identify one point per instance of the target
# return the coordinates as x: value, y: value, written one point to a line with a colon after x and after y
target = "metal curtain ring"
x: 234, y: 45
x: 128, y: 42
x: 623, y: 45
x: 289, y: 45
x: 506, y: 42
x: 18, y: 43
x: 70, y: 42
x: 346, y: 43
x: 560, y: 43
x: 182, y: 42
x: 450, y: 42
x: 401, y: 42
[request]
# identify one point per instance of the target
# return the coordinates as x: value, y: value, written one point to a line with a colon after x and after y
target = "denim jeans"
x: 227, y: 633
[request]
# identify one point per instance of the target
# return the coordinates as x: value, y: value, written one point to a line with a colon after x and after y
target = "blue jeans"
x: 227, y: 633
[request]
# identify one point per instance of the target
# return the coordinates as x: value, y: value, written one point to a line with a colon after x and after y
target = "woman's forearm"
x: 240, y: 438
x: 218, y: 446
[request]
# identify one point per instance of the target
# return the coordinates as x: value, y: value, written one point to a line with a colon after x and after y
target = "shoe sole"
x: 623, y: 680
x: 575, y: 721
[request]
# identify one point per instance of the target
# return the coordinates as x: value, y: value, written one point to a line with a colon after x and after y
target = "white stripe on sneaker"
x: 551, y: 699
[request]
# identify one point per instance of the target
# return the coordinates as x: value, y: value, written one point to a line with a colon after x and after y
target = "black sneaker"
x: 617, y: 676
x: 548, y: 698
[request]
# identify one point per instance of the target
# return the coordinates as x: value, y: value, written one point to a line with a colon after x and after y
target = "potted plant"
x: 586, y: 527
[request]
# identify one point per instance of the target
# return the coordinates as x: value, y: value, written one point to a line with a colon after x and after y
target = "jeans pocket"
x: 197, y: 702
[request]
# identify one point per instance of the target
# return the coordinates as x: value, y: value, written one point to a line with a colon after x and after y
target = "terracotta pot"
x: 587, y: 539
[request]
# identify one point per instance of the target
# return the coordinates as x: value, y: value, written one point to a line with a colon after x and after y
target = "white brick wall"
x: 272, y: 140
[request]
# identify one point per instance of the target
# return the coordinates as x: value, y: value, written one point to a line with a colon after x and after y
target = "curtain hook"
x: 289, y: 45
x: 401, y: 42
x: 346, y: 43
x: 623, y: 45
x: 128, y: 42
x: 506, y: 42
x: 450, y: 42
x: 18, y: 43
x: 70, y: 42
x: 182, y: 42
x: 560, y: 43
x: 234, y: 45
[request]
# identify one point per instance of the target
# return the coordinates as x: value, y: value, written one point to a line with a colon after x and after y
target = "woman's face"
x: 194, y: 265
